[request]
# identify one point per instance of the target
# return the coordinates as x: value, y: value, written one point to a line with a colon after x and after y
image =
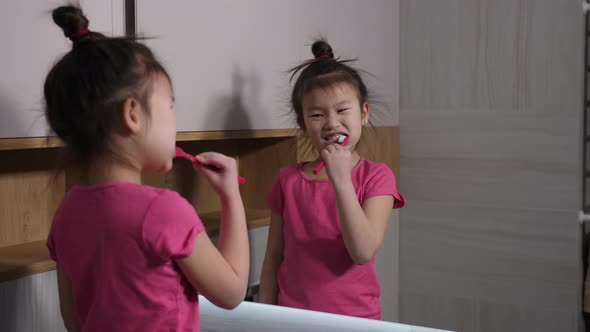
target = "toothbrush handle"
x: 180, y: 153
x: 319, y: 167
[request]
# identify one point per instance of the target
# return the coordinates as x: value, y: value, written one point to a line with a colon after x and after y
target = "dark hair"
x: 86, y: 87
x: 323, y: 71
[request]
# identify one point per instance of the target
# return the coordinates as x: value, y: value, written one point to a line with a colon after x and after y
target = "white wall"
x: 31, y: 43
x: 228, y: 58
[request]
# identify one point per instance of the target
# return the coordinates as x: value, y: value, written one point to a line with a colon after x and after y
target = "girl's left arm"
x: 363, y: 227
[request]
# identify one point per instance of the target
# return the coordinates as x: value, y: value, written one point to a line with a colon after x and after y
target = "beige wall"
x: 490, y: 109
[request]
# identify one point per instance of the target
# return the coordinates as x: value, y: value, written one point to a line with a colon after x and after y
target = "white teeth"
x: 338, y: 138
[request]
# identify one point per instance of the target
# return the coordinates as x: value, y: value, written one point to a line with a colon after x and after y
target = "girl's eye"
x: 343, y: 110
x: 316, y: 115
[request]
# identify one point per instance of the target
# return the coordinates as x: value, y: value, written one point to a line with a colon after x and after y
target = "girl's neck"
x: 110, y: 169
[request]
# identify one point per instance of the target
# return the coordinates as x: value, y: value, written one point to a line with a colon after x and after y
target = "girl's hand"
x: 338, y: 160
x: 221, y: 171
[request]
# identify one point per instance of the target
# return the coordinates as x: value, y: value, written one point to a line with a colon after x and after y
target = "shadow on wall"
x: 237, y: 109
x: 15, y: 122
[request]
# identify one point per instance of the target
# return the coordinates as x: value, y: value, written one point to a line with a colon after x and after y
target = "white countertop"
x: 256, y: 317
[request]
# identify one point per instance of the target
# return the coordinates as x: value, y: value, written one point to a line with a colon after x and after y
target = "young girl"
x: 132, y: 257
x: 327, y: 227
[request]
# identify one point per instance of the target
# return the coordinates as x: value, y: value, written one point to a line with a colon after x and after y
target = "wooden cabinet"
x: 31, y: 188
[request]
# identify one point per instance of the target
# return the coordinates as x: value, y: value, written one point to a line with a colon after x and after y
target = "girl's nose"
x: 332, y: 121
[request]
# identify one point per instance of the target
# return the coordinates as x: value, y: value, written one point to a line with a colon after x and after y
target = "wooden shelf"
x: 24, y: 143
x: 234, y: 134
x: 33, y: 257
x: 24, y: 259
x: 31, y: 191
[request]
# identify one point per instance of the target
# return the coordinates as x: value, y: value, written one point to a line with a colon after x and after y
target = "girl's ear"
x: 365, y: 114
x: 131, y: 115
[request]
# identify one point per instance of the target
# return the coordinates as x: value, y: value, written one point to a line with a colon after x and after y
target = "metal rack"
x: 584, y: 216
x: 585, y: 211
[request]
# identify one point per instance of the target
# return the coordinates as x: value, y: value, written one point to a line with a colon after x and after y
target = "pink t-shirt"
x: 115, y: 243
x: 317, y: 272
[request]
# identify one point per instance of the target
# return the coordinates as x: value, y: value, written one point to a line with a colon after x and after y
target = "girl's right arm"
x: 269, y: 287
x: 221, y: 274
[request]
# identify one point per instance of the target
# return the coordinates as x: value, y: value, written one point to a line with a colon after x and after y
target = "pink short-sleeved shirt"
x: 317, y: 273
x: 116, y: 244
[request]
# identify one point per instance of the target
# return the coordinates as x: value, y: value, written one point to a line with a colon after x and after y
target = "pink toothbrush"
x: 180, y: 153
x: 342, y: 140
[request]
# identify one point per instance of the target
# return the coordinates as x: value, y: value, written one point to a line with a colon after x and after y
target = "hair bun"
x: 322, y: 50
x: 70, y: 19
